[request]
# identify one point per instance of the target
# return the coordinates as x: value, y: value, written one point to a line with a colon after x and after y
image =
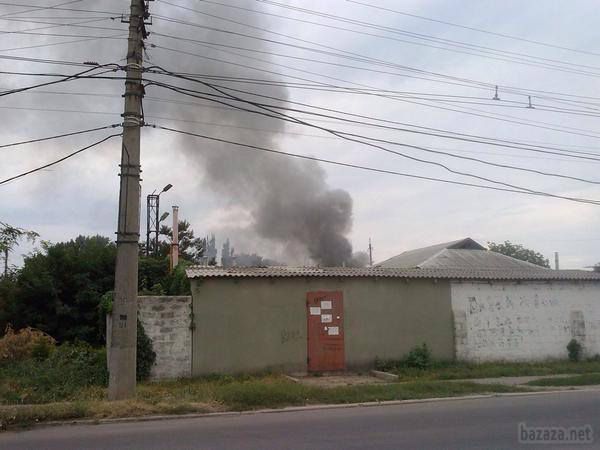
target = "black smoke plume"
x: 289, y: 200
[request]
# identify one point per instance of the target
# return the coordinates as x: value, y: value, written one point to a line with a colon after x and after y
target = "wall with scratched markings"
x: 524, y: 321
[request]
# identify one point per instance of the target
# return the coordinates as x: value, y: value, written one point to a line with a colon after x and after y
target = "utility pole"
x: 175, y: 238
x: 556, y: 265
x: 123, y: 323
x: 370, y: 254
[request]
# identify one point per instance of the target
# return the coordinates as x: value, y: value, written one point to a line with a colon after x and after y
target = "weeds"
x: 452, y: 370
x: 202, y: 395
x: 586, y: 379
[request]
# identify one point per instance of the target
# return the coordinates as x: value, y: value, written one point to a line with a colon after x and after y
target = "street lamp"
x: 153, y: 220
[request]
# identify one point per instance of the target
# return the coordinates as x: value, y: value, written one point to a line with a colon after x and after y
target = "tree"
x: 519, y: 252
x: 10, y: 237
x: 59, y: 288
x: 190, y: 247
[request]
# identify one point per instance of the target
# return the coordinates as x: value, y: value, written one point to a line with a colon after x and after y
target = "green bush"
x: 419, y: 357
x: 145, y: 355
x: 574, y: 348
x: 41, y: 350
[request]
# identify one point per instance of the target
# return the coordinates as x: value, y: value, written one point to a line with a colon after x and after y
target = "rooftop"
x: 381, y: 272
x: 461, y: 254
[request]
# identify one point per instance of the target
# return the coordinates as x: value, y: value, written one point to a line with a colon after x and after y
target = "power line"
x: 37, y: 7
x: 50, y: 25
x: 347, y: 54
x: 58, y: 136
x: 70, y: 155
x: 521, y: 58
x: 436, y: 131
x: 356, y: 138
x: 31, y: 33
x: 494, y: 103
x: 57, y: 8
x: 545, y: 44
x: 346, y: 89
x: 62, y: 80
x: 345, y: 136
x: 253, y: 129
x: 165, y: 100
x: 44, y: 61
x: 73, y: 41
x: 80, y: 24
x: 473, y: 83
x: 370, y: 118
x: 356, y: 166
x: 28, y: 18
x: 477, y: 113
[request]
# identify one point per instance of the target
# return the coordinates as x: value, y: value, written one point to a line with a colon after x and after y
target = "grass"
x: 70, y: 384
x: 457, y: 370
x: 60, y: 376
x: 230, y: 394
x: 577, y: 380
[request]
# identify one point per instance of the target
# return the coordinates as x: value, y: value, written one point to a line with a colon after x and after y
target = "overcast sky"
x: 80, y: 195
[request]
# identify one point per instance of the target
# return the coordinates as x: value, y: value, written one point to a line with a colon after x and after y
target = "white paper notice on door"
x: 325, y: 304
x: 326, y: 318
x: 333, y: 331
x: 315, y: 311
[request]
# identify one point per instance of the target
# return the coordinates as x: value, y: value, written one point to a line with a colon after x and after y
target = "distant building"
x: 211, y: 250
x: 461, y: 254
x: 227, y: 258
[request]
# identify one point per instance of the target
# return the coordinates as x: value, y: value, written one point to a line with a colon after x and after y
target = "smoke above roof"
x: 290, y: 203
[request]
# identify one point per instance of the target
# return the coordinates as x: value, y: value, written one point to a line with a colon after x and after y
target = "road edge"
x: 290, y: 409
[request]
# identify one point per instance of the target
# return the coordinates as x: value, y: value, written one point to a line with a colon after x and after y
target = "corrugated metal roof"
x: 476, y: 259
x: 463, y: 254
x: 380, y: 272
x: 414, y: 258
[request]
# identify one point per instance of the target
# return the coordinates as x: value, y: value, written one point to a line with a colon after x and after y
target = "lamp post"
x: 153, y: 220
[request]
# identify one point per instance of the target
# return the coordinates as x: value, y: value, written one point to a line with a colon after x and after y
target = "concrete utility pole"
x: 370, y: 253
x: 123, y: 326
x: 175, y: 239
x: 556, y: 264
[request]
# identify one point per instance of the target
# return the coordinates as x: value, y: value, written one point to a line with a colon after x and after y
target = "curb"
x: 291, y: 409
x: 386, y: 376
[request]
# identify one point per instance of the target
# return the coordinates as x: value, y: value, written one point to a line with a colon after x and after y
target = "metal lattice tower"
x: 152, y: 224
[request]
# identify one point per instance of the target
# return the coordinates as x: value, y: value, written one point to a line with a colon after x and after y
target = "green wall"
x: 253, y: 324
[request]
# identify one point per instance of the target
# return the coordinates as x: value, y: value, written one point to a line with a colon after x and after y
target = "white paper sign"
x: 315, y: 311
x: 333, y: 331
x: 326, y: 318
x: 325, y: 304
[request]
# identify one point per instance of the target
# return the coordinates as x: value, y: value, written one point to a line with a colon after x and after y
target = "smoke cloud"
x: 289, y: 201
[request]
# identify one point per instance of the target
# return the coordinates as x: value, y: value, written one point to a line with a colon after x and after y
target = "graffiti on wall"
x: 510, y: 321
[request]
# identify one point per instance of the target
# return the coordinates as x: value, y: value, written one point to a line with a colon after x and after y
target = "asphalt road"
x: 461, y: 424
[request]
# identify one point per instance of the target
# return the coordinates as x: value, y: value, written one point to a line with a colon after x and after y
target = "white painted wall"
x: 524, y: 321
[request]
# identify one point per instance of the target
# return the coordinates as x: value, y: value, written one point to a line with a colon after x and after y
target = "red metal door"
x: 325, y: 319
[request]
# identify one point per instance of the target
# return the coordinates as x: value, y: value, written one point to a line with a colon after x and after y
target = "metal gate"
x: 325, y: 321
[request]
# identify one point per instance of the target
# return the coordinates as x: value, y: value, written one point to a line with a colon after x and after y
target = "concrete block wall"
x: 167, y: 321
x: 525, y: 321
